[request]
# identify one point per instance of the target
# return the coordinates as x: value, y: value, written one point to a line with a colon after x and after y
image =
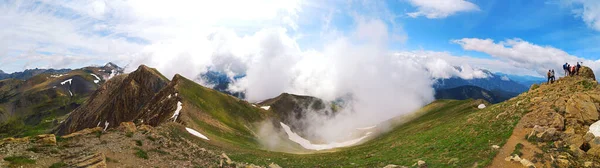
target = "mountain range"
x: 144, y: 119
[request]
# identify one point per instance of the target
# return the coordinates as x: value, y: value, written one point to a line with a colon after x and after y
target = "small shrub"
x: 98, y: 134
x: 19, y: 160
x: 111, y: 160
x: 159, y: 151
x: 517, y: 150
x: 138, y: 142
x: 150, y: 138
x: 141, y: 153
x: 34, y: 149
x: 129, y: 134
x: 59, y: 165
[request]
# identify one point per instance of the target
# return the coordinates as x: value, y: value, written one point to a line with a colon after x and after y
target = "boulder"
x: 421, y: 164
x: 545, y: 117
x: 587, y: 72
x: 527, y: 163
x: 46, y: 139
x: 97, y: 160
x: 588, y: 164
x: 273, y: 165
x: 227, y: 159
x: 145, y: 128
x: 14, y: 140
x: 581, y: 108
x: 127, y: 127
x: 84, y: 132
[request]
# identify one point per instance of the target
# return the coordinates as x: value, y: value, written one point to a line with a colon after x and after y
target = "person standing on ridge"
x: 549, y: 77
x: 566, y: 69
x: 577, y: 69
x: 552, y: 77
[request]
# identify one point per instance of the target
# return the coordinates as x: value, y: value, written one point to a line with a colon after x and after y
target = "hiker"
x: 566, y: 69
x: 572, y: 70
x: 549, y: 74
x: 577, y: 69
x: 553, y: 78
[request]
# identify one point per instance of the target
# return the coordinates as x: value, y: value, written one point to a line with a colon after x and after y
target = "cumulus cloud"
x: 523, y: 54
x: 434, y: 9
x: 588, y: 10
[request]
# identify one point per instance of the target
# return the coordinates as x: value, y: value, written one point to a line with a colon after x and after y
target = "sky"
x: 383, y: 54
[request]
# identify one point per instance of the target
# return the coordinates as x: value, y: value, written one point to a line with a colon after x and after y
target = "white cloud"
x: 588, y: 10
x: 522, y: 54
x: 434, y: 9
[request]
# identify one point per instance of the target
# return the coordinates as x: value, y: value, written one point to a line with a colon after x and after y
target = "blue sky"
x: 510, y: 36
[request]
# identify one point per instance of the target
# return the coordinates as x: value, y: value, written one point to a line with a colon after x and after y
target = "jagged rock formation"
x: 118, y: 100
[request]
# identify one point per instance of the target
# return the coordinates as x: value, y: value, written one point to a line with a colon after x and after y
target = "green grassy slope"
x: 219, y: 116
x: 450, y: 133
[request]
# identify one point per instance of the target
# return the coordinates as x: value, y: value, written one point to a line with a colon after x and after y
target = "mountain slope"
x: 36, y: 105
x: 118, y: 100
x: 473, y: 92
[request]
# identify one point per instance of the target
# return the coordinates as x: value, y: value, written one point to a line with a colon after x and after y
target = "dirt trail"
x: 518, y: 136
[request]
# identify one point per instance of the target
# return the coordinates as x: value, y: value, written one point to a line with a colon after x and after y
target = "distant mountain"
x: 220, y: 81
x: 30, y: 73
x: 525, y: 80
x: 474, y: 92
x: 492, y: 82
x: 110, y: 68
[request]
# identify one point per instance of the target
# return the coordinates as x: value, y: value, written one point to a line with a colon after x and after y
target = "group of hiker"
x: 570, y: 70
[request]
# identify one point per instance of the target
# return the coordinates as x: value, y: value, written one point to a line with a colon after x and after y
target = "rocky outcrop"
x: 97, y: 160
x: 118, y: 100
x: 582, y: 109
x: 587, y: 72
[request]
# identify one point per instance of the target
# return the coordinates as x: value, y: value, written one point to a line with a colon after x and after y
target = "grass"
x: 159, y: 151
x: 138, y: 142
x: 19, y: 160
x: 35, y: 149
x: 59, y: 165
x: 449, y: 129
x: 129, y: 134
x: 141, y: 153
x: 517, y: 150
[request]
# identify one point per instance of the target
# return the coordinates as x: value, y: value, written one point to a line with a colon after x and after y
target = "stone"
x: 145, y: 128
x: 227, y: 160
x: 495, y: 147
x: 394, y: 166
x: 15, y: 140
x: 273, y: 165
x: 127, y: 127
x: 83, y: 132
x: 588, y: 164
x: 97, y: 160
x: 46, y: 139
x: 588, y: 137
x: 582, y: 108
x: 527, y: 163
x: 549, y: 134
x: 421, y: 164
x: 563, y: 162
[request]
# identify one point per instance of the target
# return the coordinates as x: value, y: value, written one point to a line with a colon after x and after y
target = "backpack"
x: 565, y: 66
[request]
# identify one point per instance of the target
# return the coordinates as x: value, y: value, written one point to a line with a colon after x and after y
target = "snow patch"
x: 113, y: 73
x: 66, y: 81
x: 481, y: 106
x: 176, y: 114
x: 308, y: 145
x: 97, y: 78
x: 253, y: 105
x: 266, y: 107
x: 168, y: 97
x: 97, y: 125
x: 105, y: 125
x: 196, y: 133
x: 595, y: 128
x: 367, y: 128
x: 57, y: 75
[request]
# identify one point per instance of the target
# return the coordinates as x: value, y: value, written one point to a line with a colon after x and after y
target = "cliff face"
x: 118, y: 100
